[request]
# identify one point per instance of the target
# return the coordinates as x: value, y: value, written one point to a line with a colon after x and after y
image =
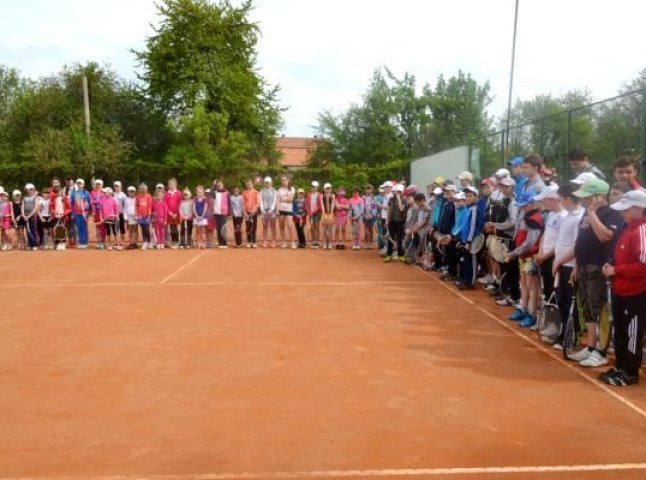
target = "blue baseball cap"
x: 525, y: 198
x: 515, y: 162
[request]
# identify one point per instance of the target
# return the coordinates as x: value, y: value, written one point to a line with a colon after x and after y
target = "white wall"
x: 447, y: 164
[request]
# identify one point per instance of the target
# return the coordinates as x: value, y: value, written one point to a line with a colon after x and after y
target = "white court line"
x: 395, y: 472
x: 88, y: 284
x: 293, y: 284
x: 539, y: 346
x: 182, y: 268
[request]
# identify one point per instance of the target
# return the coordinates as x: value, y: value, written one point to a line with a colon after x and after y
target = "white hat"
x: 81, y: 181
x: 549, y: 192
x: 16, y: 193
x: 634, y: 198
x: 398, y: 188
x: 381, y: 189
x: 584, y: 177
x: 507, y: 181
x: 2, y: 191
x: 460, y: 196
x: 502, y: 172
x: 30, y: 186
x: 158, y: 186
x: 267, y: 180
x: 117, y: 183
x: 388, y: 184
x: 132, y: 189
x: 327, y: 185
x: 98, y: 181
x: 314, y: 183
x: 438, y: 190
x: 107, y: 190
x: 465, y: 176
x: 473, y: 190
x: 450, y: 188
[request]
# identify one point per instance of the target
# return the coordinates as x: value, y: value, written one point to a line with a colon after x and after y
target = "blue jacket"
x: 80, y: 202
x: 521, y: 180
x: 460, y: 212
x: 471, y: 224
x: 437, y: 210
x: 447, y: 218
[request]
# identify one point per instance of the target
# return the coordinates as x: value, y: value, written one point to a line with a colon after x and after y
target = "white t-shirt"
x: 384, y: 211
x: 568, y: 231
x: 285, y: 198
x: 552, y: 223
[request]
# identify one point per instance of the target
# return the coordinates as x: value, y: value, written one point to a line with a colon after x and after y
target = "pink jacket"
x: 172, y: 201
x: 160, y: 212
x: 109, y: 207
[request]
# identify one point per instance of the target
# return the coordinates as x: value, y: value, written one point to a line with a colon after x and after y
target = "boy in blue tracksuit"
x: 471, y: 226
x: 81, y: 206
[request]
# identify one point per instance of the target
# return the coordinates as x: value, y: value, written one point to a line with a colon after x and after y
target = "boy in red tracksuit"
x: 628, y: 290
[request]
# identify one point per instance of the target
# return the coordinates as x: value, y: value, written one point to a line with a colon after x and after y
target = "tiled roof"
x: 295, y: 150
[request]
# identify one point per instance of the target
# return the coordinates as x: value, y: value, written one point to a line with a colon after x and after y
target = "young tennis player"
x: 313, y: 207
x: 356, y: 211
x: 221, y: 212
x: 110, y: 215
x: 200, y: 208
x: 285, y: 200
x: 96, y: 200
x: 160, y: 215
x: 370, y: 214
x: 327, y: 215
x: 186, y: 219
x: 237, y: 213
x: 120, y: 197
x: 144, y: 207
x: 251, y: 200
x: 17, y: 220
x: 45, y: 221
x: 5, y: 220
x: 172, y: 199
x: 130, y: 214
x: 268, y: 205
x: 341, y: 207
x: 300, y: 217
x: 30, y: 209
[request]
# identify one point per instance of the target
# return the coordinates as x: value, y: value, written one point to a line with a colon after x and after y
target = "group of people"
x: 528, y: 239
x: 519, y: 233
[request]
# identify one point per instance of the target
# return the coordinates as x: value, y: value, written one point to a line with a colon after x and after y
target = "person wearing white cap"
x: 30, y: 209
x: 96, y: 198
x: 285, y: 200
x: 370, y: 213
x: 582, y: 178
x: 268, y: 204
x: 382, y: 228
x: 552, y: 204
x: 130, y: 216
x: 466, y: 179
x: 396, y: 222
x: 172, y: 199
x: 313, y: 208
x: 5, y: 220
x: 81, y: 207
x: 628, y: 274
x: 120, y: 196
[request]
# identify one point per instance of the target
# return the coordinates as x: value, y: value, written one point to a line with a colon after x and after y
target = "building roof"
x: 295, y: 150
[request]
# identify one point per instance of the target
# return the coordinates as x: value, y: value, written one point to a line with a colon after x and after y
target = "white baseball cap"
x: 549, y: 192
x: 450, y: 188
x: 460, y: 196
x: 473, y: 190
x: 98, y: 181
x: 2, y: 191
x: 465, y: 176
x: 132, y: 189
x: 507, y: 181
x: 398, y: 188
x: 634, y: 198
x: 438, y: 190
x: 81, y: 181
x: 267, y: 180
x: 107, y: 190
x: 502, y: 172
x: 117, y: 183
x: 314, y: 183
x: 30, y: 186
x: 327, y: 185
x: 584, y: 177
x: 388, y: 184
x: 158, y: 186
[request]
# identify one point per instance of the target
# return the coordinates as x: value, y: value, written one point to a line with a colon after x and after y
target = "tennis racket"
x: 606, y: 321
x: 548, y: 315
x: 573, y: 327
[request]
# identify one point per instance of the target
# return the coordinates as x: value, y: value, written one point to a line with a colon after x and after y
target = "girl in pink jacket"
x: 110, y: 216
x: 160, y: 218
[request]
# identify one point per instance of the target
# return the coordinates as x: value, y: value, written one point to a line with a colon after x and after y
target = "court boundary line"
x: 182, y: 268
x: 397, y: 472
x: 640, y: 411
x: 91, y: 284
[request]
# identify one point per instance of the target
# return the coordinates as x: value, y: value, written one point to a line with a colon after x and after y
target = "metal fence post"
x: 568, y: 144
x: 502, y: 148
x: 642, y: 136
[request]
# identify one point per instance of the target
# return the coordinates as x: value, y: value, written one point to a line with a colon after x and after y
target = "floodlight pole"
x: 86, y: 112
x: 511, y: 76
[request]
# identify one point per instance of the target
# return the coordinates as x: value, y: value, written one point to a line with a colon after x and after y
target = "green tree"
x: 200, y: 68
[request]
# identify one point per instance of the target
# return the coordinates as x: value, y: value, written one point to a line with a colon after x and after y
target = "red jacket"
x: 67, y: 208
x: 630, y: 260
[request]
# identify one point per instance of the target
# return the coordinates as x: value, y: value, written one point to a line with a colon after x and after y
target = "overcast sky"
x: 323, y: 53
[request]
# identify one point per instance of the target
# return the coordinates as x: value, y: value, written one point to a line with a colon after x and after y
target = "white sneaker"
x: 487, y: 279
x: 595, y: 359
x: 557, y: 346
x: 294, y: 247
x: 550, y: 331
x: 144, y: 246
x: 581, y: 355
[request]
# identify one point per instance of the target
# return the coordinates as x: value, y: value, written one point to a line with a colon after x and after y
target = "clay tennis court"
x: 286, y: 364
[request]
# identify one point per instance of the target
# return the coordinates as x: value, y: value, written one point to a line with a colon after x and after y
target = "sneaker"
x: 557, y: 346
x: 620, y: 379
x: 388, y: 259
x: 528, y: 322
x: 466, y: 286
x: 581, y: 354
x: 608, y: 373
x: 294, y: 247
x: 595, y: 359
x: 506, y: 302
x: 254, y: 245
x: 144, y: 246
x: 223, y: 247
x: 402, y: 260
x: 248, y: 245
x: 284, y: 245
x: 518, y: 316
x: 491, y: 287
x: 550, y: 331
x: 486, y: 279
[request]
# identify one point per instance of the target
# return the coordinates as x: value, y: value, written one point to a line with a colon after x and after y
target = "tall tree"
x: 200, y: 65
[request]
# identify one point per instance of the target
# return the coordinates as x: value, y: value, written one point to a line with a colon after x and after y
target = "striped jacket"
x: 630, y: 260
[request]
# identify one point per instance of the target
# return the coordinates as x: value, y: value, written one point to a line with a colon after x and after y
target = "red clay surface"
x: 186, y: 365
